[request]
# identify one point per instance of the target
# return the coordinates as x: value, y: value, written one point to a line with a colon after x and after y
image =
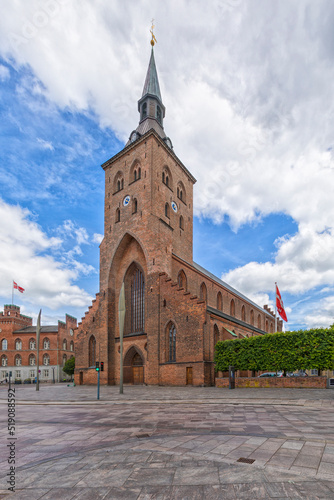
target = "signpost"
x: 38, y: 331
x: 97, y: 368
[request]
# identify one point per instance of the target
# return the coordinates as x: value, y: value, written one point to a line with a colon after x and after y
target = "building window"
x: 314, y: 372
x: 46, y: 343
x: 159, y: 116
x: 232, y: 308
x: 32, y: 360
x: 118, y: 215
x: 46, y: 359
x: 167, y: 210
x: 72, y: 346
x: 181, y: 222
x: 92, y: 351
x: 172, y: 343
x: 167, y: 177
x: 4, y: 361
x: 134, y: 206
x: 203, y: 292
x: 182, y: 280
x: 259, y: 321
x: 252, y: 317
x: 181, y: 192
x: 32, y: 373
x: 18, y: 344
x: 4, y: 345
x: 32, y: 344
x: 17, y: 374
x: 64, y: 359
x: 18, y: 360
x: 219, y: 301
x: 267, y: 326
x: 137, y: 302
x: 243, y: 313
x: 45, y: 373
x: 64, y: 345
x: 144, y: 110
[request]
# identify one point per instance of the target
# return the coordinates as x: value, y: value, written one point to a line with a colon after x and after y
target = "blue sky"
x: 249, y: 108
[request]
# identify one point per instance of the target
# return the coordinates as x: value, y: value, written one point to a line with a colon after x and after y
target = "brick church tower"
x: 169, y: 334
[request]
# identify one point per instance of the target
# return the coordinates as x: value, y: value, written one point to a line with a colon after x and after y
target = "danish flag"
x: 17, y: 287
x: 280, y: 305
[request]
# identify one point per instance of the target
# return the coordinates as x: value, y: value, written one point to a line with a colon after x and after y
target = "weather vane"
x: 154, y: 40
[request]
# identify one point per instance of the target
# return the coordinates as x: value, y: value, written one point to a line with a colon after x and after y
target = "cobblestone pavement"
x: 170, y: 443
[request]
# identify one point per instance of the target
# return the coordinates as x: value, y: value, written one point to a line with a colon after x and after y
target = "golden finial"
x: 154, y: 40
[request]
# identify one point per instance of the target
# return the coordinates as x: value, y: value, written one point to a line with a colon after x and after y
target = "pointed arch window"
x: 252, y: 317
x: 181, y: 222
x: 232, y: 308
x: 171, y: 343
x: 32, y: 344
x: 159, y: 114
x: 203, y: 292
x: 18, y: 360
x: 215, y: 335
x: 32, y: 360
x: 118, y: 215
x: 46, y: 343
x: 134, y: 206
x: 92, y: 351
x: 4, y: 345
x: 4, y: 360
x: 219, y: 301
x: 64, y: 359
x: 46, y: 359
x: 259, y: 321
x: 137, y: 302
x: 65, y: 345
x: 181, y: 192
x: 243, y: 313
x: 182, y: 280
x: 72, y: 346
x: 18, y: 344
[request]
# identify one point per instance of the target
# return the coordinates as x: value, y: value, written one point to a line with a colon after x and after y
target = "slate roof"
x: 151, y: 85
x: 44, y: 329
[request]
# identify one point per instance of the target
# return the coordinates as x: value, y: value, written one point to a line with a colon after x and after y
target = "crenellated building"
x: 18, y: 347
x: 176, y: 310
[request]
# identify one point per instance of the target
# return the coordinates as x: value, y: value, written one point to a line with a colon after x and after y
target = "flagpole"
x: 12, y: 292
x: 275, y: 306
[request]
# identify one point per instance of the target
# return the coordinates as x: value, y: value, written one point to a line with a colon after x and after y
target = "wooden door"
x: 80, y: 378
x: 138, y: 375
x: 189, y: 375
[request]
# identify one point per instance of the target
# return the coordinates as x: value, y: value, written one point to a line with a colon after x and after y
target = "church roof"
x: 32, y: 329
x: 151, y: 85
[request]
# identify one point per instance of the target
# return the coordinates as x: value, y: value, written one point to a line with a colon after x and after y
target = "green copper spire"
x: 151, y: 85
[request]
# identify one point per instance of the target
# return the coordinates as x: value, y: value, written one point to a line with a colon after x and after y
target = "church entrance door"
x: 189, y: 377
x: 137, y: 369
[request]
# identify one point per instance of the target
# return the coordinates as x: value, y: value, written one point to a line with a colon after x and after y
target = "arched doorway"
x: 133, y: 367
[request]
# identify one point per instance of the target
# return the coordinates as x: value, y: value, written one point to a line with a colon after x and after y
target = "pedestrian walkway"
x: 162, y: 442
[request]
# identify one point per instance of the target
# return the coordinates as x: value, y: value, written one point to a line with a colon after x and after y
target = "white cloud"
x: 25, y: 257
x: 97, y: 238
x: 45, y: 144
x: 4, y: 72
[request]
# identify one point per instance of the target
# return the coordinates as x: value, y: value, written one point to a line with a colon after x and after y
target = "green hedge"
x: 300, y: 350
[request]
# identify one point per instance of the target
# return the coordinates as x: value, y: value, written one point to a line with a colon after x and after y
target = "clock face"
x: 174, y: 206
x: 169, y: 142
x: 133, y: 136
x: 71, y: 331
x: 126, y: 201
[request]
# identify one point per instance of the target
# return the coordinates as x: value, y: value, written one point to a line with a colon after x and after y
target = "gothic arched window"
x: 167, y: 210
x: 259, y: 321
x: 171, y: 342
x: 203, y: 293
x: 243, y: 313
x: 71, y: 345
x: 219, y: 301
x: 32, y: 360
x: 182, y: 280
x: 46, y: 359
x: 4, y: 345
x: 18, y: 360
x: 137, y: 302
x: 4, y: 361
x: 232, y: 308
x: 215, y: 335
x: 32, y: 344
x: 252, y: 317
x: 64, y: 359
x: 46, y: 343
x: 18, y: 344
x: 65, y: 345
x: 134, y: 206
x: 92, y: 351
x: 181, y: 222
x: 118, y: 215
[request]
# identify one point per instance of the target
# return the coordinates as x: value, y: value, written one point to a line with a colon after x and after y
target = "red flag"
x: 17, y: 287
x: 280, y: 305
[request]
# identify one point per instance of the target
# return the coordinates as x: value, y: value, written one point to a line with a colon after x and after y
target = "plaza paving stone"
x: 171, y: 443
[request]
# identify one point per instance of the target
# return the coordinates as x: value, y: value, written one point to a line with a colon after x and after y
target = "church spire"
x: 150, y: 106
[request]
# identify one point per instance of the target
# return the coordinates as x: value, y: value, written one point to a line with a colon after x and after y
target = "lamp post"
x: 53, y: 375
x: 38, y: 331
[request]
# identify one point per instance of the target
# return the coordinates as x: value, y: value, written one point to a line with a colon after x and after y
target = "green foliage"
x: 299, y: 350
x: 69, y: 366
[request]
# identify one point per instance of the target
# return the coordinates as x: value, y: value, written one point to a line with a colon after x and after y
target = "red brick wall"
x: 293, y: 382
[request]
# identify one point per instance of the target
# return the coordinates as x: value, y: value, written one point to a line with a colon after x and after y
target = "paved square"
x: 162, y: 442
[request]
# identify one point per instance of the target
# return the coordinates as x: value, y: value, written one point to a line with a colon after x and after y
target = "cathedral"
x: 176, y: 310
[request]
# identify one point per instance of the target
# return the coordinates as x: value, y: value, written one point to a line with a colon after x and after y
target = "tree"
x: 69, y: 366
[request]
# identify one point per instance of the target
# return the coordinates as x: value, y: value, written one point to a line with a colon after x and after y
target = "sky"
x: 249, y: 95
